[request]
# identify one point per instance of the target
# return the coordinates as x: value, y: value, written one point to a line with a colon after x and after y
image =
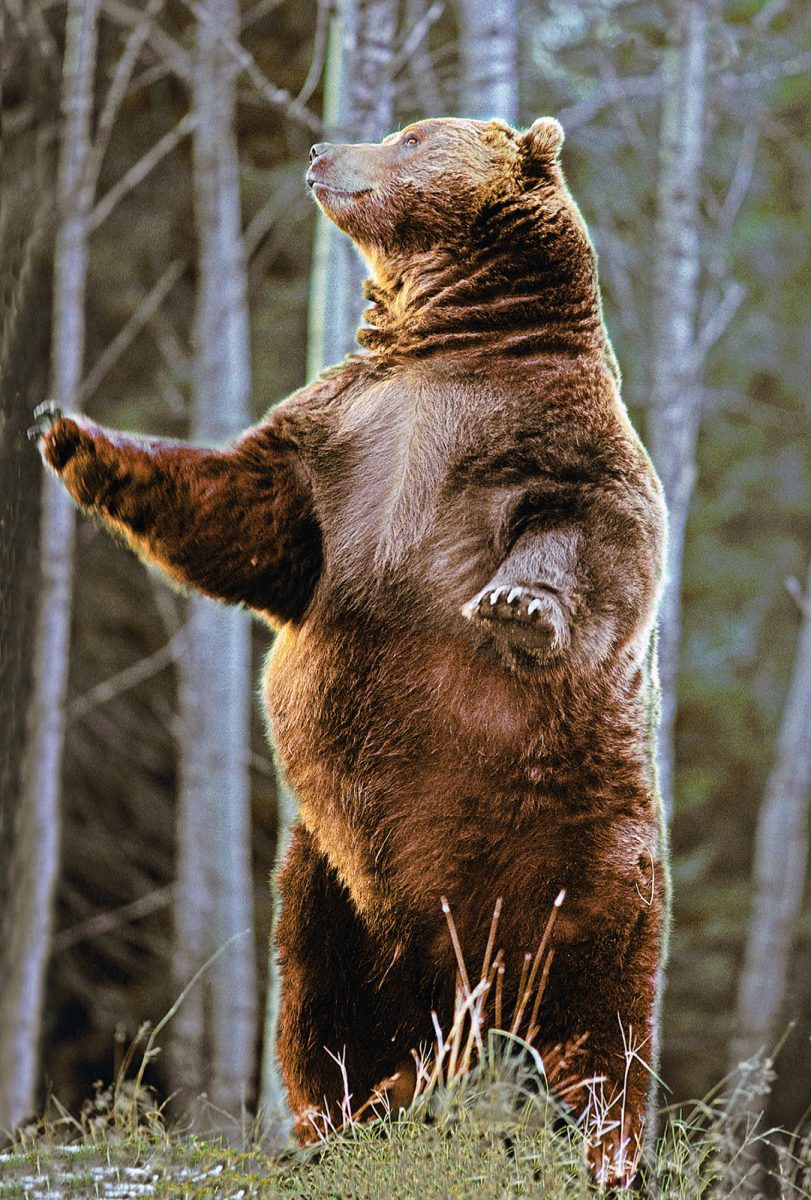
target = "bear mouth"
x: 318, y: 187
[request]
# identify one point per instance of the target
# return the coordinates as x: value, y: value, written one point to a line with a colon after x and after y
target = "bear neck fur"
x: 479, y: 298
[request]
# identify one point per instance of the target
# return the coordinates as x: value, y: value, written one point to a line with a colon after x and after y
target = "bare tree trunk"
x: 358, y: 107
x: 488, y: 43
x: 780, y: 863
x: 676, y: 398
x: 275, y: 1117
x: 24, y: 344
x: 35, y: 866
x: 24, y: 347
x: 213, y: 1045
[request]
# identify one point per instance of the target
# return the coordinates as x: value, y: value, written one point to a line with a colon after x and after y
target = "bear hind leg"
x: 341, y: 1035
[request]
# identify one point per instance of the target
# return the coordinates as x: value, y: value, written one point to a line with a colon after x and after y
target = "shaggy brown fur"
x: 460, y: 540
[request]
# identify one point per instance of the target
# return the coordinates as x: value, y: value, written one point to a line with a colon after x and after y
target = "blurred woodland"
x: 164, y: 269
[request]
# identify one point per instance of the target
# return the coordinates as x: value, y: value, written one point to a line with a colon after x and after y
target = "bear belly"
x: 381, y: 733
x: 419, y: 767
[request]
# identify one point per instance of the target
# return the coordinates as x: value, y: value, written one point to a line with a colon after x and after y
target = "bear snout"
x: 318, y: 149
x: 340, y: 169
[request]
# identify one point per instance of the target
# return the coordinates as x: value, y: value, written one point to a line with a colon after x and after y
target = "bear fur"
x: 460, y: 541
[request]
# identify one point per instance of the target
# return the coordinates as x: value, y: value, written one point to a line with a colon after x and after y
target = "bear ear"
x: 541, y: 143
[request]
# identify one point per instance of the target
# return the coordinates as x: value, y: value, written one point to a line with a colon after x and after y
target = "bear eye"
x: 411, y: 140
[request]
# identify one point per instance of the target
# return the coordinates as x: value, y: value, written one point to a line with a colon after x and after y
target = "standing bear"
x: 460, y: 540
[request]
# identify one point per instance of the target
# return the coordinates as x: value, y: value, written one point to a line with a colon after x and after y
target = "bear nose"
x: 318, y: 149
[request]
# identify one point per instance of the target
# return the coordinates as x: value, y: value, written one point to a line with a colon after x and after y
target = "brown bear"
x: 459, y: 539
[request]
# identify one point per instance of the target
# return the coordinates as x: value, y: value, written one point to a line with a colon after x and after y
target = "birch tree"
x: 213, y: 1043
x: 24, y: 337
x: 488, y: 46
x: 358, y: 107
x: 26, y: 262
x: 34, y: 869
x: 780, y: 864
x: 23, y: 348
x: 676, y: 397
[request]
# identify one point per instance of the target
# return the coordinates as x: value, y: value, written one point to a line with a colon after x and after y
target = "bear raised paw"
x: 530, y: 619
x: 459, y: 539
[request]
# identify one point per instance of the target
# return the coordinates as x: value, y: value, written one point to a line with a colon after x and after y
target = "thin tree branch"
x: 420, y: 68
x: 616, y: 88
x: 714, y: 325
x: 585, y: 110
x: 770, y: 12
x: 130, y: 677
x: 766, y: 73
x: 718, y: 305
x: 163, y: 44
x: 801, y: 598
x: 117, y: 90
x: 18, y: 120
x: 257, y: 11
x: 581, y: 112
x: 263, y: 766
x: 153, y: 74
x: 741, y: 179
x: 108, y: 922
x: 614, y: 252
x: 783, y: 139
x: 276, y: 97
x: 141, y: 317
x: 176, y: 356
x: 416, y: 36
x: 267, y: 216
x: 139, y: 170
x: 316, y: 70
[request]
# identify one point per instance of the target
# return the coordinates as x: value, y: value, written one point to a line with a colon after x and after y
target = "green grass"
x: 485, y: 1137
x: 483, y: 1127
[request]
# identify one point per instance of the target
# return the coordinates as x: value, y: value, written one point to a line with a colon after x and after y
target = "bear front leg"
x: 236, y: 524
x: 529, y: 603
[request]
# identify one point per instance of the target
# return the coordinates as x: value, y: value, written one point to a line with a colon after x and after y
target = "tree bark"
x: 488, y: 45
x: 358, y: 107
x: 24, y: 350
x: 275, y: 1117
x: 34, y: 868
x: 780, y: 863
x: 676, y: 397
x: 213, y: 1043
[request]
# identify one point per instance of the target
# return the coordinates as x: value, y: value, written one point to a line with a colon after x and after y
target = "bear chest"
x: 386, y: 494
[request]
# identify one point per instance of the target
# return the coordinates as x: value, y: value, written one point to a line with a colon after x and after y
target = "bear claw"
x: 532, y: 615
x: 56, y: 436
x: 45, y: 417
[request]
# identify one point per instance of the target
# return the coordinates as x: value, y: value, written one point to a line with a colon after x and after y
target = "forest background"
x: 688, y: 150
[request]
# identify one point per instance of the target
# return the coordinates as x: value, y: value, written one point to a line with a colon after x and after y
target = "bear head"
x: 469, y: 230
x: 429, y: 184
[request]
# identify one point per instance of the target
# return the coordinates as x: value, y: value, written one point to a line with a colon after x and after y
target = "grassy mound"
x: 489, y: 1135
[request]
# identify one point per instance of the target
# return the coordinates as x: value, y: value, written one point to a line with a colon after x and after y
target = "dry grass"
x: 487, y: 1135
x: 488, y: 1122
x: 483, y: 1034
